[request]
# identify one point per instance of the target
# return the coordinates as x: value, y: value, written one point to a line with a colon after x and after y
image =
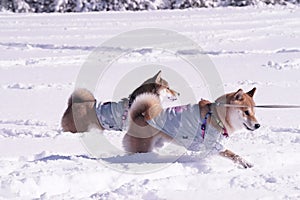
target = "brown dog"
x: 197, y: 127
x: 83, y: 113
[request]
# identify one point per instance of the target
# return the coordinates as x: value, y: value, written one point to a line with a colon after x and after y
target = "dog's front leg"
x: 236, y: 158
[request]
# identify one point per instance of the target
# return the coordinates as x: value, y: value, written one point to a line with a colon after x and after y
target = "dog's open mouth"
x: 247, y: 127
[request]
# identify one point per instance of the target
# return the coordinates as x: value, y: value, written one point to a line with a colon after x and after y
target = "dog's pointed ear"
x: 157, y: 77
x: 251, y: 92
x: 238, y: 96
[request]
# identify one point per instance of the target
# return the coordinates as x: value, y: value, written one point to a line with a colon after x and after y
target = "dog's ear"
x: 157, y: 77
x: 251, y: 92
x: 238, y: 96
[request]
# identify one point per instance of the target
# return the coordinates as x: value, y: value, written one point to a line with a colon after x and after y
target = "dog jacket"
x: 113, y: 115
x: 183, y: 123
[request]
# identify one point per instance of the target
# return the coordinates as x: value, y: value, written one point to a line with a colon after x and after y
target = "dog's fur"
x: 80, y: 114
x: 141, y: 137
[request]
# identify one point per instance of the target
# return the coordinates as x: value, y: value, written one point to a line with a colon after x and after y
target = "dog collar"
x: 219, y: 122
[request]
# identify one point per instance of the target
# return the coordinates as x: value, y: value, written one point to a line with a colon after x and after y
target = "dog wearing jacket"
x: 197, y: 127
x: 83, y: 112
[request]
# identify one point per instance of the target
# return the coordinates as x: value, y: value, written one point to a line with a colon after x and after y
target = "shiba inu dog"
x: 197, y: 127
x: 83, y: 112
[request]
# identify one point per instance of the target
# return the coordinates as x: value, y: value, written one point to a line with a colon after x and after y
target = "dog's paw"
x: 243, y: 162
x: 236, y: 158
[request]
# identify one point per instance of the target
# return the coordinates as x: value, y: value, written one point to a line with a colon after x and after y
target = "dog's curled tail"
x: 145, y: 107
x: 80, y: 113
x: 81, y: 95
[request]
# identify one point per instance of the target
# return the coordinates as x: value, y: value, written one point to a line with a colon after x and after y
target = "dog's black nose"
x: 256, y: 126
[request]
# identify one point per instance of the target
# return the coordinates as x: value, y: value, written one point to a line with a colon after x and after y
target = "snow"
x: 42, y: 55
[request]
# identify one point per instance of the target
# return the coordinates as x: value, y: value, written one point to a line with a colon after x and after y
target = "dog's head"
x: 155, y: 85
x: 242, y: 115
x: 163, y: 88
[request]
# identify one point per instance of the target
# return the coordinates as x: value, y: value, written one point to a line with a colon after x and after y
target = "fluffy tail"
x: 140, y: 136
x: 145, y: 107
x: 80, y: 113
x: 81, y: 95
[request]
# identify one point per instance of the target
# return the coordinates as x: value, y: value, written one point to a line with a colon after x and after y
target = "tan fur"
x: 236, y: 158
x: 153, y: 85
x: 236, y: 98
x: 142, y: 137
x: 80, y: 114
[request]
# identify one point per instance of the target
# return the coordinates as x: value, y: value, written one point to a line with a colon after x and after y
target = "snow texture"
x: 41, y: 57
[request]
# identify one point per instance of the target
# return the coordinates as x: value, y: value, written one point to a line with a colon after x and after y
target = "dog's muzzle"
x: 256, y: 126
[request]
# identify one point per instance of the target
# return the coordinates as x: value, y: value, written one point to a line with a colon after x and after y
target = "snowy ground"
x: 41, y: 56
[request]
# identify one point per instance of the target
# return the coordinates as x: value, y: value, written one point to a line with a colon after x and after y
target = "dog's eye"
x: 247, y: 113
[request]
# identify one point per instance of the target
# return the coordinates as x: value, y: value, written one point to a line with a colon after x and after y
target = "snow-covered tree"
x: 121, y: 5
